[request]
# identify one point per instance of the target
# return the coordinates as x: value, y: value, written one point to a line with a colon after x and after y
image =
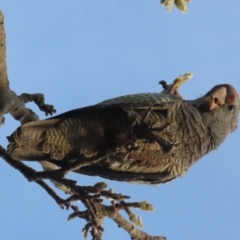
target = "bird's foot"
x: 145, y: 115
x: 167, y: 146
x: 51, y: 174
x: 146, y: 131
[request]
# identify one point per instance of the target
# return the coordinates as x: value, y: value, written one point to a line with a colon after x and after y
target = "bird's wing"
x: 151, y: 171
x: 93, y: 131
x: 134, y: 101
x: 132, y: 177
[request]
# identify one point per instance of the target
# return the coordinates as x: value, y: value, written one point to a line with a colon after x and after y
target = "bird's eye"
x: 231, y: 107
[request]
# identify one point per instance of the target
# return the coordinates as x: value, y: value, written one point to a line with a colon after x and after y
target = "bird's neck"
x: 213, y: 122
x: 201, y: 131
x: 216, y: 128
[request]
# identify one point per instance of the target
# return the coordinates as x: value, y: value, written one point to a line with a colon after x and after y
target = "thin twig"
x: 28, y: 172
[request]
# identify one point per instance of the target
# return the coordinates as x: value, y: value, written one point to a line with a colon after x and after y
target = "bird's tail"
x: 25, y: 141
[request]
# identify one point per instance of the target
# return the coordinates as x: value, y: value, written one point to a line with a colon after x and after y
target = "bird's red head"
x: 223, y: 95
x: 232, y: 100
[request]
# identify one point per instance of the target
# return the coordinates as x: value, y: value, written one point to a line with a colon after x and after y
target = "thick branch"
x: 13, y: 104
x: 4, y: 84
x: 9, y: 101
x: 3, y: 67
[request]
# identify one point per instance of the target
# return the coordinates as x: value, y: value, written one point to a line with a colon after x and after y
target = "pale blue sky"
x: 81, y: 52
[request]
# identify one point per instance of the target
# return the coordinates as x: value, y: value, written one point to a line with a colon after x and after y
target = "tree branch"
x: 91, y: 196
x: 28, y: 172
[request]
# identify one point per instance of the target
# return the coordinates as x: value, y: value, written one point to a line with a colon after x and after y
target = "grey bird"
x: 146, y: 138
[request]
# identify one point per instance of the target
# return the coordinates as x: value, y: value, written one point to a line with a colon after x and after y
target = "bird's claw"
x: 167, y: 147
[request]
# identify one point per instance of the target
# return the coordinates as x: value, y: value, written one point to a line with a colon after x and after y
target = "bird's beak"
x: 216, y: 99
